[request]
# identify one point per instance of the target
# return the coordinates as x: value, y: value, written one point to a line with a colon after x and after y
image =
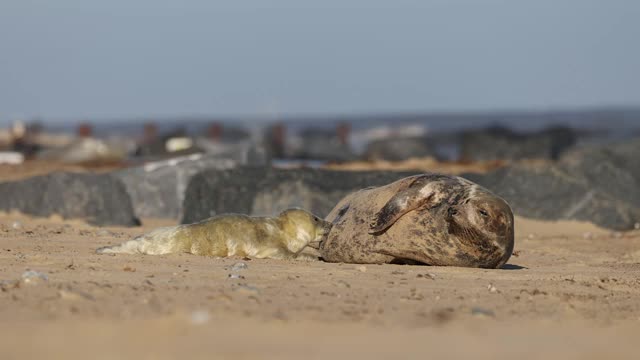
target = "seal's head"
x: 467, y: 225
x: 304, y: 225
x: 483, y: 223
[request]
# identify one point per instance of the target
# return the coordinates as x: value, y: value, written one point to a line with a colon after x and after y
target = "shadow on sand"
x: 512, y: 267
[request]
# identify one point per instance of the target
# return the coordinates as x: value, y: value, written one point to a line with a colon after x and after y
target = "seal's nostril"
x: 451, y: 211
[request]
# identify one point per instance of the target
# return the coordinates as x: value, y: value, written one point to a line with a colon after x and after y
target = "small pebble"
x: 239, y: 266
x: 199, y: 317
x: 129, y: 269
x: 428, y: 276
x: 492, y: 288
x: 247, y: 289
x: 362, y: 268
x: 443, y: 315
x: 32, y: 277
x: 5, y: 285
x: 235, y: 276
x: 17, y: 225
x: 587, y: 235
x: 482, y: 312
x: 104, y: 232
x: 74, y: 295
x: 531, y: 236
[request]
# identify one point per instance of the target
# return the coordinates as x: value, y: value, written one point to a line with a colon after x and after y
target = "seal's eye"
x: 483, y: 212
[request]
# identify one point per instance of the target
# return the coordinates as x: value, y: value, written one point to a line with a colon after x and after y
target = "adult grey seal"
x: 428, y: 219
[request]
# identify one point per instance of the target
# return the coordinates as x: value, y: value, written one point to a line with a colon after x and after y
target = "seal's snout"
x: 500, y: 223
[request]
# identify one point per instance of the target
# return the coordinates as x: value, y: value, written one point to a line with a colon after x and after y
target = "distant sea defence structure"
x: 617, y: 119
x: 393, y: 137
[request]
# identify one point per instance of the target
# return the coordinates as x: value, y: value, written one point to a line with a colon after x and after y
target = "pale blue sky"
x: 70, y: 59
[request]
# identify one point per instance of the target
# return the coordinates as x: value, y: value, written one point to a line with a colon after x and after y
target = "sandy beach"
x: 570, y: 291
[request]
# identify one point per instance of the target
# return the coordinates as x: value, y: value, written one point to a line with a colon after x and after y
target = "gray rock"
x: 498, y: 143
x: 32, y: 277
x: 239, y: 266
x: 555, y: 192
x: 100, y: 198
x: 322, y: 145
x: 264, y: 191
x: 482, y: 312
x: 398, y: 149
x: 610, y: 168
x: 157, y: 189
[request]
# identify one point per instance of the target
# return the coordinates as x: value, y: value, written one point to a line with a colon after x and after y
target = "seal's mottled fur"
x: 430, y: 219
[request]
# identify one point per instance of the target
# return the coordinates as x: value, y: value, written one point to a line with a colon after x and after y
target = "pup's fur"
x: 281, y: 237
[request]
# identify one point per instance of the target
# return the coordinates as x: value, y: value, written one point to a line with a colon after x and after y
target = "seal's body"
x: 281, y: 237
x: 429, y: 219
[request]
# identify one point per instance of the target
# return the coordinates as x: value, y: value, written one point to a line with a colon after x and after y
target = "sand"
x: 571, y: 291
x: 42, y: 167
x: 427, y: 164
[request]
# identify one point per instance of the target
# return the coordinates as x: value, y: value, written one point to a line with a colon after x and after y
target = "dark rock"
x: 398, y: 149
x: 611, y: 168
x: 99, y: 198
x: 499, y: 143
x: 267, y: 191
x: 555, y: 192
x: 318, y: 144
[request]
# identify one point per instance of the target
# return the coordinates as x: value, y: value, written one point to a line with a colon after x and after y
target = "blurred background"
x: 118, y: 83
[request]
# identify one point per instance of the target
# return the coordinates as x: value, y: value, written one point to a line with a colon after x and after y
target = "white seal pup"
x: 281, y: 237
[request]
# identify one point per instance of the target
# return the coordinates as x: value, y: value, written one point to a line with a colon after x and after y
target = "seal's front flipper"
x: 417, y: 192
x: 135, y: 246
x: 128, y: 247
x: 105, y: 250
